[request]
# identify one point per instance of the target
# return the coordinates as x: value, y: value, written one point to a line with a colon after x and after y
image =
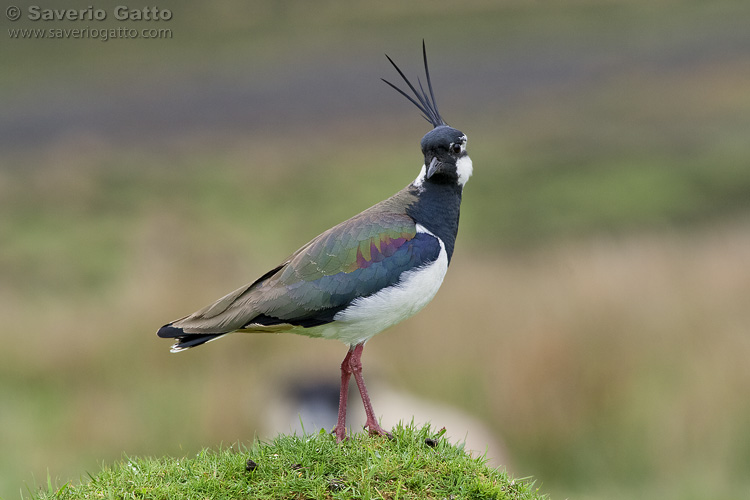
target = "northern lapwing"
x: 359, y: 277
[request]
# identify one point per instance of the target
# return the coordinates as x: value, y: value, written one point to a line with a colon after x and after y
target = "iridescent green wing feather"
x: 354, y: 259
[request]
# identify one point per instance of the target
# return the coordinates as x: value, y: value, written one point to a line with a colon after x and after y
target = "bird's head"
x: 445, y: 156
x: 444, y: 147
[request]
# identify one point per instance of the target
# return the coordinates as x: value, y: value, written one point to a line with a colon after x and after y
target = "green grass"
x: 417, y: 463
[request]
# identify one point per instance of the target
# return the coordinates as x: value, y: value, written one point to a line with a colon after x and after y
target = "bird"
x: 363, y: 275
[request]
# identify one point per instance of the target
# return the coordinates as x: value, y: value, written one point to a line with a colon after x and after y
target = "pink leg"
x: 355, y: 364
x: 352, y: 365
x: 340, y: 429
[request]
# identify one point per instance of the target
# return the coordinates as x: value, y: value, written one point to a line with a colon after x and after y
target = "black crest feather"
x: 426, y: 103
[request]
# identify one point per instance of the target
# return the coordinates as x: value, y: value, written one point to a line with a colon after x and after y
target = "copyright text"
x: 119, y: 13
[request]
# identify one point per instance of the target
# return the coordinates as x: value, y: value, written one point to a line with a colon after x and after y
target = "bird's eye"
x: 455, y: 148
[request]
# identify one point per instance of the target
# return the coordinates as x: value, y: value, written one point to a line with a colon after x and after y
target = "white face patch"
x: 464, y: 168
x: 421, y: 177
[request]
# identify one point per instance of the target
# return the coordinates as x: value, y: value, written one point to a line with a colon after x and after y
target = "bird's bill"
x: 433, y: 167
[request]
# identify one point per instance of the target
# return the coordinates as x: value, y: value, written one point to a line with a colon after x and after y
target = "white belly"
x: 367, y: 316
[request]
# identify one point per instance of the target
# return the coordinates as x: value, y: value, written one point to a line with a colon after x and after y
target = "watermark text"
x: 125, y: 22
x: 119, y: 13
x: 102, y: 34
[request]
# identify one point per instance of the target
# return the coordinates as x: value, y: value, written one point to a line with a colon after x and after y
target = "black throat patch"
x: 437, y: 207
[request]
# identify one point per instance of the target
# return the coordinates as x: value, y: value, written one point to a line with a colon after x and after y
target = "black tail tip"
x: 170, y: 332
x: 185, y: 340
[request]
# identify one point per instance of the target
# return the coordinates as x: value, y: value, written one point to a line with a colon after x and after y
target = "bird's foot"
x: 340, y: 433
x: 375, y: 430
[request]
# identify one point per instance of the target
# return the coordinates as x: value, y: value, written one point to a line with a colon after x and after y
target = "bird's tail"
x: 210, y: 323
x: 184, y: 340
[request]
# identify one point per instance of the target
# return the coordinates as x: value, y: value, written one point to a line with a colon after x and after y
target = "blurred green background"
x: 597, y: 312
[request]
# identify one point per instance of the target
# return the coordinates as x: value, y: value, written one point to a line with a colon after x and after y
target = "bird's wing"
x: 354, y: 259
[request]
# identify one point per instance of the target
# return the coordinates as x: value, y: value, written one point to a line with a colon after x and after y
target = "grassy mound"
x: 417, y: 464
